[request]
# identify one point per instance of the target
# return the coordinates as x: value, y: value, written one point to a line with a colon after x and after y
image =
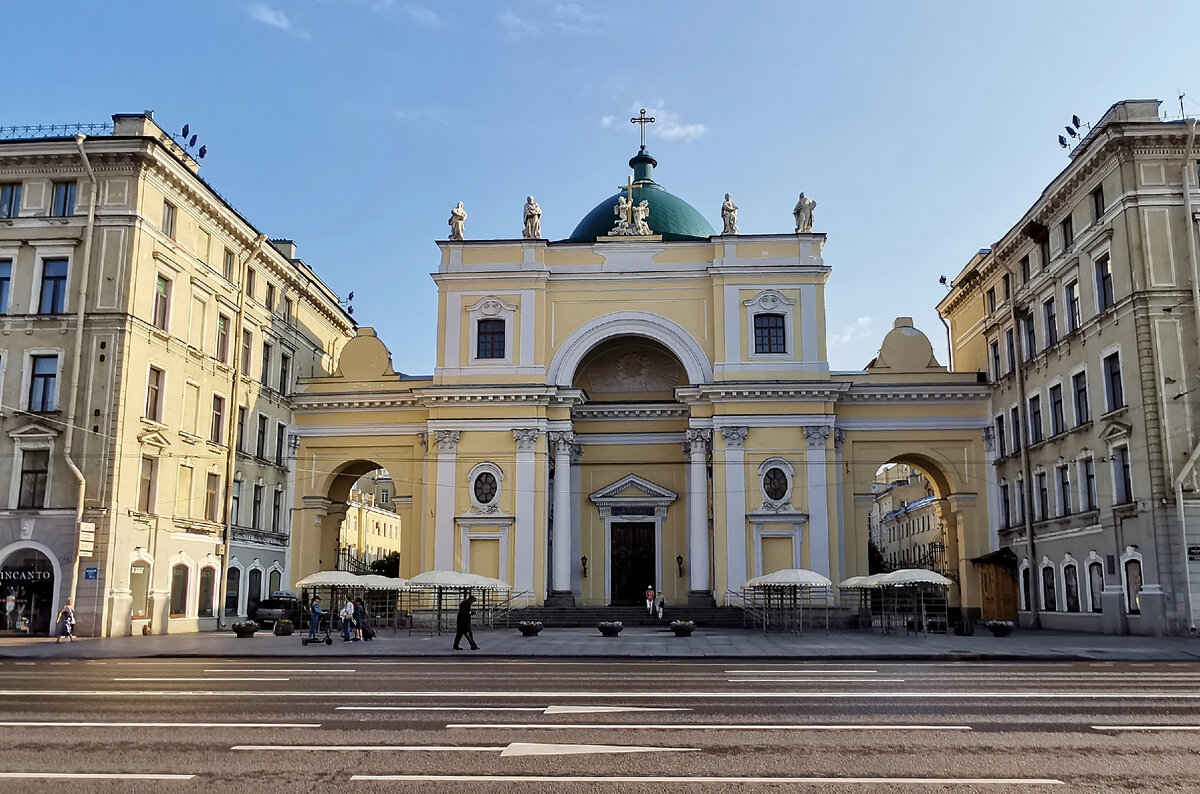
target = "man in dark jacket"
x: 463, y: 624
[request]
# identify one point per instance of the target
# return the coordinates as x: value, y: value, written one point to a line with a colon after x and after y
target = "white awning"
x: 330, y: 579
x: 911, y: 576
x: 790, y: 577
x: 374, y: 581
x: 458, y: 579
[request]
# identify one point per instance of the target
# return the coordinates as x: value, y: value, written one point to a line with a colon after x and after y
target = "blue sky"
x: 924, y: 130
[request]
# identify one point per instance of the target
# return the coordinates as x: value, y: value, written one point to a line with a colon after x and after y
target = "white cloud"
x: 273, y: 17
x: 859, y: 329
x: 668, y: 125
x: 516, y: 26
x: 421, y: 15
x: 552, y: 16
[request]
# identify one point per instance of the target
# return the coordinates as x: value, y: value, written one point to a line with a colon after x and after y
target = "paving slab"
x: 636, y: 642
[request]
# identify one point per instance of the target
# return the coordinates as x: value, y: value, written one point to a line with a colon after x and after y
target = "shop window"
x: 1071, y: 587
x: 1049, y: 589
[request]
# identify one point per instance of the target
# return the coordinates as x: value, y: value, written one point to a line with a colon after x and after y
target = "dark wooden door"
x: 632, y: 561
x: 999, y: 591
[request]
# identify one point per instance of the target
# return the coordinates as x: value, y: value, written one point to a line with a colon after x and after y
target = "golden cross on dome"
x: 642, y: 119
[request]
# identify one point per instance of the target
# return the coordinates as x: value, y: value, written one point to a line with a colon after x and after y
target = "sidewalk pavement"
x: 639, y: 643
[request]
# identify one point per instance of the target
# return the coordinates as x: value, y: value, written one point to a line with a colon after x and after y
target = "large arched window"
x: 139, y: 588
x: 1133, y: 586
x: 233, y: 586
x: 1096, y: 585
x: 1071, y: 586
x: 1026, y: 587
x: 253, y: 590
x: 1049, y: 589
x: 204, y: 597
x: 179, y: 588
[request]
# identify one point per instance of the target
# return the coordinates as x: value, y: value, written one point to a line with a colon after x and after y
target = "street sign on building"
x: 87, y: 538
x: 91, y: 573
x: 1194, y: 553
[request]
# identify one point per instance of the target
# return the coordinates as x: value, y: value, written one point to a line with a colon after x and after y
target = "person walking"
x: 66, y: 619
x: 347, y: 616
x: 463, y: 624
x: 659, y: 604
x: 650, y: 600
x: 314, y: 617
x: 360, y: 617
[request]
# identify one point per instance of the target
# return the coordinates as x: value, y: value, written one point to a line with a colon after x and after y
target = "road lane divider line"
x: 509, y: 750
x: 93, y: 776
x: 1135, y: 728
x: 709, y: 780
x: 113, y: 724
x: 280, y: 670
x: 757, y: 694
x: 225, y: 679
x: 816, y: 680
x: 683, y: 726
x: 439, y: 708
x: 799, y: 672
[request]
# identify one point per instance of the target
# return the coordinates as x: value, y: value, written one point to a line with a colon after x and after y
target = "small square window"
x: 490, y: 341
x: 168, y: 219
x: 769, y: 333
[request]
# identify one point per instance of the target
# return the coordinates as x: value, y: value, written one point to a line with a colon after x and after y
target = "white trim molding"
x: 629, y: 323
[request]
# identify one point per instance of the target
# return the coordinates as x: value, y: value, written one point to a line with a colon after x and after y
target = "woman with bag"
x: 347, y: 616
x: 66, y: 621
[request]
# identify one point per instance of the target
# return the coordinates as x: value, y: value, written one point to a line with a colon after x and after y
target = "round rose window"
x: 485, y: 488
x: 775, y: 484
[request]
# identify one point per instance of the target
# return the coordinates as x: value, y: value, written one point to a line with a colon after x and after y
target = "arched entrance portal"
x: 27, y: 592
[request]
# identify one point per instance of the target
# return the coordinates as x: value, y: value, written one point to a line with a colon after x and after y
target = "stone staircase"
x: 564, y: 617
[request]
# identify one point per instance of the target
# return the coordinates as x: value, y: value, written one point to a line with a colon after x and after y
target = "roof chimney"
x: 285, y: 247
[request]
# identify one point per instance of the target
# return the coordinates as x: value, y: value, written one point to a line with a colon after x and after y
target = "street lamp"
x: 679, y: 564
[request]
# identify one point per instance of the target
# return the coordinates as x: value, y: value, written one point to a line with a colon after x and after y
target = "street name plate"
x: 91, y: 573
x: 1194, y: 553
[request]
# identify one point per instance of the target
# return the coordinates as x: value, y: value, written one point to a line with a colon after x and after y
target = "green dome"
x: 670, y: 216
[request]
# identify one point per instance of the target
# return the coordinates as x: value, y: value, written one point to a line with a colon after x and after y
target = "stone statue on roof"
x: 458, y: 222
x: 803, y: 213
x: 533, y: 220
x: 640, y: 212
x: 729, y: 216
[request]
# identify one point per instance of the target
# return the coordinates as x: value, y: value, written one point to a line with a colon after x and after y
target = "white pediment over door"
x: 632, y: 491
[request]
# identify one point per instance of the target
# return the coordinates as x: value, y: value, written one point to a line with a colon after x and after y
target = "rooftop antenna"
x: 1182, y: 112
x: 188, y: 141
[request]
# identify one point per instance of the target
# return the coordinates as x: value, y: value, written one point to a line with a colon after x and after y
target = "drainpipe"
x: 231, y: 423
x: 1035, y: 569
x: 949, y: 346
x: 80, y: 304
x: 1187, y: 467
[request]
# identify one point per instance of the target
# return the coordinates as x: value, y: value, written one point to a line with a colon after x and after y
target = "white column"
x: 818, y: 499
x: 560, y: 579
x: 526, y: 439
x: 696, y: 447
x: 447, y: 460
x: 734, y: 476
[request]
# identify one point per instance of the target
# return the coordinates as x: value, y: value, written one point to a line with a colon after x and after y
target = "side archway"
x: 631, y: 323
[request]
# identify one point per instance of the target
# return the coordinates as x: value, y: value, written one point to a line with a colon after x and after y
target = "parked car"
x: 273, y: 609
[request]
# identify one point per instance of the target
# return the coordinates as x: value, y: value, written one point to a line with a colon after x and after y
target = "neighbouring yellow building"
x: 622, y: 409
x: 371, y: 528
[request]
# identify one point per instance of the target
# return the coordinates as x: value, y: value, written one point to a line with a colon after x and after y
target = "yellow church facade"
x: 635, y: 407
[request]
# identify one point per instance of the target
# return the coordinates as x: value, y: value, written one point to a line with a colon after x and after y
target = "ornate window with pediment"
x: 769, y: 318
x: 485, y: 480
x: 491, y: 321
x: 775, y: 476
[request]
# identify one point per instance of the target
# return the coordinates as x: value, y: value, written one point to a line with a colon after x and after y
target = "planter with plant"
x: 683, y: 628
x: 530, y: 628
x: 245, y: 629
x: 999, y: 628
x: 284, y: 628
x: 610, y: 628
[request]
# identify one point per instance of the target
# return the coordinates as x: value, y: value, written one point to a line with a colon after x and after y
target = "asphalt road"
x: 474, y: 725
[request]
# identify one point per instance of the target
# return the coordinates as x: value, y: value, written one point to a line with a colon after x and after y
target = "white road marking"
x: 30, y: 724
x: 797, y: 672
x: 530, y: 748
x: 543, y: 695
x: 512, y: 749
x: 1146, y: 727
x: 873, y: 781
x: 279, y: 670
x: 604, y: 709
x: 362, y: 748
x: 439, y: 708
x: 226, y: 679
x: 816, y: 680
x: 683, y: 726
x: 91, y: 776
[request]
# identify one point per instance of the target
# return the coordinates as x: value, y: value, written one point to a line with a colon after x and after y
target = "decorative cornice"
x: 769, y: 392
x: 917, y: 393
x: 630, y: 411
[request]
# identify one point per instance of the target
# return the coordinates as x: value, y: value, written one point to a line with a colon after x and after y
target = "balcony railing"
x: 32, y: 132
